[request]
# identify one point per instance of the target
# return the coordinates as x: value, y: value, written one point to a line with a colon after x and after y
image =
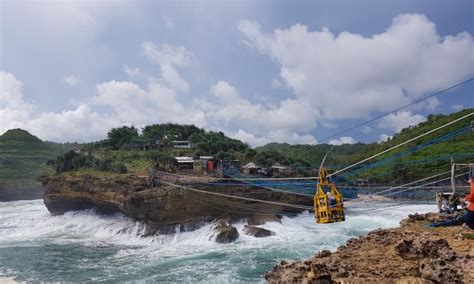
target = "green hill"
x: 412, y: 162
x: 23, y: 157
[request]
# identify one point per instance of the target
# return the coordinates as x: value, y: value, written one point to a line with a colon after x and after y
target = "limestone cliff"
x: 412, y: 253
x: 162, y: 207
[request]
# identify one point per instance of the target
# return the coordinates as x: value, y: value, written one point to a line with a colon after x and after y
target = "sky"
x: 260, y: 71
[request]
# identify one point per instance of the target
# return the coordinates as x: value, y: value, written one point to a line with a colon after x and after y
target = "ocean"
x: 84, y: 247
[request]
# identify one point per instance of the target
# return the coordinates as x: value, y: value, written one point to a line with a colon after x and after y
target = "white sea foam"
x: 184, y: 256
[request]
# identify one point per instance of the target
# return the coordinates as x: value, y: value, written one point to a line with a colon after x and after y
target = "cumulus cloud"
x: 457, y: 107
x: 13, y: 108
x: 172, y: 77
x: 384, y: 137
x: 71, y: 80
x: 276, y: 83
x: 166, y: 54
x: 131, y: 72
x: 432, y: 104
x: 239, y: 116
x: 366, y: 129
x: 343, y: 140
x: 400, y: 120
x: 80, y: 124
x: 351, y: 76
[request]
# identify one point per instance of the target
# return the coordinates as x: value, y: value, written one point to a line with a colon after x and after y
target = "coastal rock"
x: 412, y: 253
x: 257, y: 232
x: 164, y: 208
x: 257, y: 220
x: 225, y: 233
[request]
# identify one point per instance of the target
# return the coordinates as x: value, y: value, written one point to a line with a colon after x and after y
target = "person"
x: 331, y: 199
x: 469, y: 216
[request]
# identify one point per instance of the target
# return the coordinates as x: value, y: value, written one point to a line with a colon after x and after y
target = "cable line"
x: 240, y: 197
x: 401, y: 144
x: 404, y: 185
x: 398, y: 109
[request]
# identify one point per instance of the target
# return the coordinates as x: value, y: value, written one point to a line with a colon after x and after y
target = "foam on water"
x: 80, y: 246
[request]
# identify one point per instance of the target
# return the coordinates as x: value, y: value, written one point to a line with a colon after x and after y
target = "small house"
x: 250, y: 168
x: 182, y: 144
x: 185, y: 163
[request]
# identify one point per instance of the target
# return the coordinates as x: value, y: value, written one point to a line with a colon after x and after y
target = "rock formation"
x: 163, y: 208
x: 257, y: 232
x: 412, y: 253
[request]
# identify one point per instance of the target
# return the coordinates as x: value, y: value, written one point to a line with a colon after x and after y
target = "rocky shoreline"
x: 411, y: 253
x: 164, y: 208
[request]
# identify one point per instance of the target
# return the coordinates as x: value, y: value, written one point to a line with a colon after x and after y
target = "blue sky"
x: 261, y: 71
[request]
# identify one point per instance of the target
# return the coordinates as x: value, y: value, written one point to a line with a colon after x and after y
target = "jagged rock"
x: 439, y: 270
x: 256, y: 220
x: 164, y: 206
x: 224, y: 232
x: 410, y: 249
x: 412, y: 253
x: 257, y: 232
x: 323, y: 253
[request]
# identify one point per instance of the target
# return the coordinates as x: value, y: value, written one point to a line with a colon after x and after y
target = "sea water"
x: 82, y: 246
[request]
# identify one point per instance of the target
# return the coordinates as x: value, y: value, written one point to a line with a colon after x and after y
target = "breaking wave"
x: 81, y: 246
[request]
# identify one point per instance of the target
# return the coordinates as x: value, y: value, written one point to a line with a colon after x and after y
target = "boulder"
x: 224, y: 232
x: 256, y: 220
x: 257, y: 232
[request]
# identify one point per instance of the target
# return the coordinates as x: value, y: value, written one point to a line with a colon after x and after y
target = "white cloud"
x: 277, y: 136
x: 351, y: 76
x: 166, y: 54
x: 255, y: 123
x: 366, y: 129
x: 384, y: 137
x: 71, y: 80
x: 457, y: 107
x: 13, y: 108
x: 343, y: 140
x: 432, y: 104
x: 276, y: 83
x: 400, y: 120
x: 172, y: 77
x: 80, y: 124
x: 131, y: 72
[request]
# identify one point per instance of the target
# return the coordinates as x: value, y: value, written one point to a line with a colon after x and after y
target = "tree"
x: 121, y: 136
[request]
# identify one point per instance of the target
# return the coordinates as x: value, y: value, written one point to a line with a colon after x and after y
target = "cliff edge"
x: 163, y: 207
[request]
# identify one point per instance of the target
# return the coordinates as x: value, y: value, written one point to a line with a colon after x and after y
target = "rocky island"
x: 165, y: 208
x: 411, y: 253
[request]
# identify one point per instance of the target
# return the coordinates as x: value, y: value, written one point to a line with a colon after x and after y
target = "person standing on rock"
x: 469, y: 216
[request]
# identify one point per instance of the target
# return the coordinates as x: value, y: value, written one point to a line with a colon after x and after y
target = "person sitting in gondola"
x: 331, y: 200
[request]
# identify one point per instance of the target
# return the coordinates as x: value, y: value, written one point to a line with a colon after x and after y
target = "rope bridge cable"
x: 415, y: 163
x: 401, y: 144
x: 410, y: 183
x: 240, y: 197
x: 208, y: 202
x: 231, y: 178
x: 440, y: 139
x: 395, y: 110
x: 434, y: 182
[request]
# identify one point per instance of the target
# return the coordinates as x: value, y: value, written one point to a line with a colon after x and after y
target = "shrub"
x: 120, y: 168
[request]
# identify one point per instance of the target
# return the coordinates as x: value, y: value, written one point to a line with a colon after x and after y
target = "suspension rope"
x: 401, y: 144
x: 249, y: 209
x: 239, y: 197
x: 404, y: 185
x: 394, y: 111
x: 384, y: 161
x: 434, y: 182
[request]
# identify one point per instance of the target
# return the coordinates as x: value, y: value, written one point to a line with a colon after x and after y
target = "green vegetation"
x: 420, y: 163
x: 469, y: 236
x: 22, y: 158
